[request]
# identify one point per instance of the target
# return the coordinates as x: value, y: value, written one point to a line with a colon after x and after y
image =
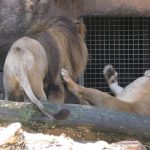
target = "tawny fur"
x: 138, y: 98
x: 34, y: 63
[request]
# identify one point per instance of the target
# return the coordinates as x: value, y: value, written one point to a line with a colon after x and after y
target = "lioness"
x: 134, y: 98
x: 34, y: 64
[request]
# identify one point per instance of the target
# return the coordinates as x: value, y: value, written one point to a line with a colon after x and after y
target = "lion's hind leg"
x: 37, y: 86
x: 12, y: 90
x: 111, y: 77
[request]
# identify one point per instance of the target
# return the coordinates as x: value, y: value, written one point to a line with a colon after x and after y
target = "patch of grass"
x: 26, y: 113
x: 32, y: 119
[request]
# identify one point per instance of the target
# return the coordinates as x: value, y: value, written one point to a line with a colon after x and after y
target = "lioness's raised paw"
x: 65, y: 75
x: 147, y: 73
x: 110, y: 74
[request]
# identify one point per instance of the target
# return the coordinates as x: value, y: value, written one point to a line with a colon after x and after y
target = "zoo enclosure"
x: 123, y: 42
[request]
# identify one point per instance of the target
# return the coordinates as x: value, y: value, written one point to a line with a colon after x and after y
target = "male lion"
x: 134, y: 98
x: 34, y: 64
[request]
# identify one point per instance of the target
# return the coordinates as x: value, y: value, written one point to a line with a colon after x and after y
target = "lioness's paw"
x: 65, y: 75
x: 110, y: 74
x: 147, y: 73
x: 64, y: 72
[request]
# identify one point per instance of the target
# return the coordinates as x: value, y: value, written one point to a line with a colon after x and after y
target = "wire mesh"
x: 123, y: 42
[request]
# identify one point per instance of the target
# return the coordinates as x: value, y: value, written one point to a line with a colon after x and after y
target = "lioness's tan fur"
x: 137, y: 93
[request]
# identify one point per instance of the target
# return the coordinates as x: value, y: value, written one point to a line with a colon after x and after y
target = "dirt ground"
x: 86, y: 134
x: 82, y: 134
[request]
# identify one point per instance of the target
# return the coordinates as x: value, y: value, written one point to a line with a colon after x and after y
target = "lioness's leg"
x: 111, y: 77
x: 94, y: 96
x: 147, y: 73
x: 73, y: 87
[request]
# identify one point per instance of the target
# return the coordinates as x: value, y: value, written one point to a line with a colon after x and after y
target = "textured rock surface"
x: 19, y: 17
x: 10, y: 139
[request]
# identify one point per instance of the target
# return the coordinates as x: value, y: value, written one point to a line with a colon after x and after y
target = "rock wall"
x: 20, y: 17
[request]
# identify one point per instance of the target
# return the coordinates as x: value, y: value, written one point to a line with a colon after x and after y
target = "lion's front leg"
x: 56, y: 93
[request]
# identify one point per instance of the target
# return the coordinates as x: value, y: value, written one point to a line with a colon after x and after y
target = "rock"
x: 13, y: 137
x: 128, y: 145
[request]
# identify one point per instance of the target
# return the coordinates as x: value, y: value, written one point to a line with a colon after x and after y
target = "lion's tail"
x: 24, y: 81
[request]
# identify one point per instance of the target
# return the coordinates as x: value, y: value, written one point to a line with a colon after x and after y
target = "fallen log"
x: 99, y: 118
